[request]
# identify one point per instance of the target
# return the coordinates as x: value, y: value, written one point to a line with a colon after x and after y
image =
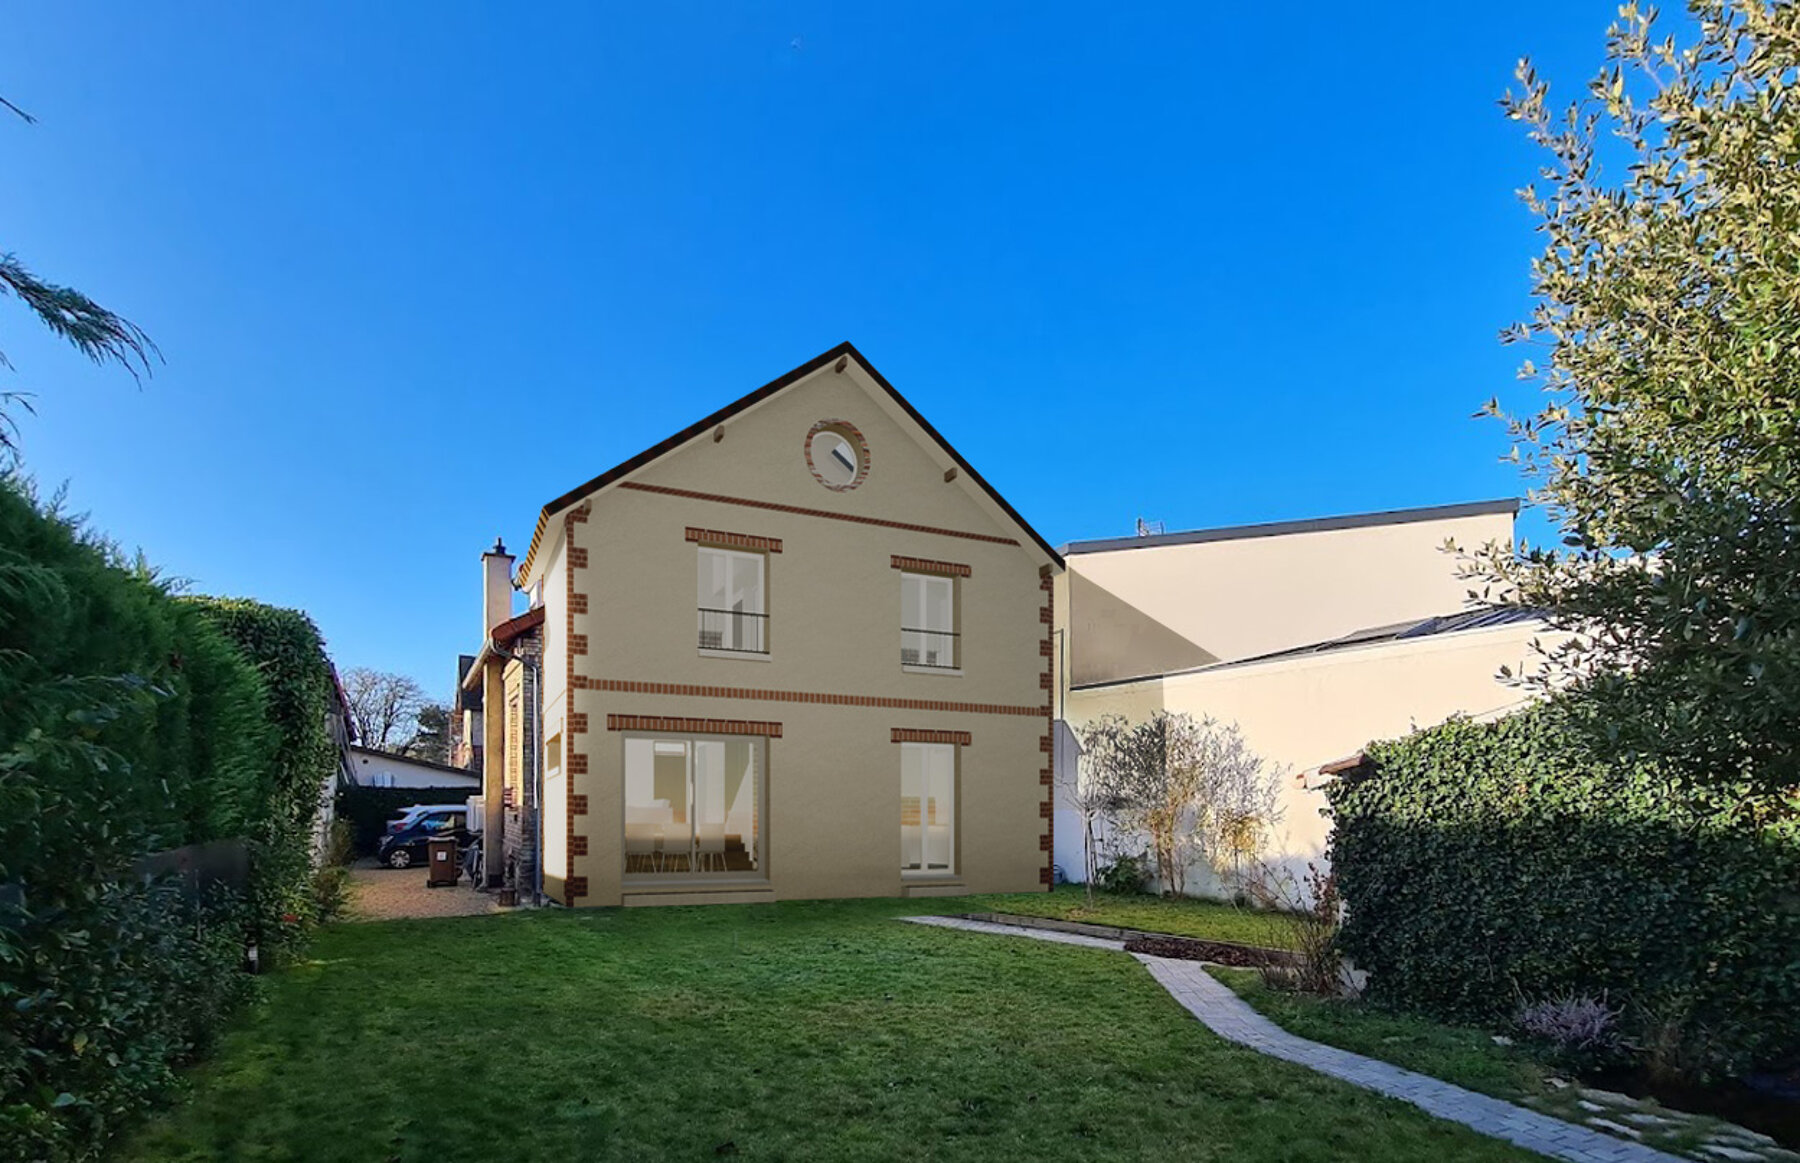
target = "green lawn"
x: 1183, y: 917
x: 793, y: 1031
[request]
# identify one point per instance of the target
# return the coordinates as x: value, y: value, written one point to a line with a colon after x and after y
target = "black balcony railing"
x: 936, y: 648
x: 736, y: 630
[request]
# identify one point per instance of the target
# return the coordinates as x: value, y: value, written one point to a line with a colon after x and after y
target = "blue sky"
x: 418, y: 268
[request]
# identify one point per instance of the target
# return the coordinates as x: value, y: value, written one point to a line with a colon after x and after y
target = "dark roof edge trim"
x: 1311, y: 525
x: 756, y: 397
x: 414, y: 760
x: 1329, y: 648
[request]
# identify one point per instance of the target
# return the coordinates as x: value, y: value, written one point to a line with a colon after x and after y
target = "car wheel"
x: 399, y: 858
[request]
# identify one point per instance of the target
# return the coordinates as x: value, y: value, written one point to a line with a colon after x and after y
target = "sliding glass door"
x: 693, y: 806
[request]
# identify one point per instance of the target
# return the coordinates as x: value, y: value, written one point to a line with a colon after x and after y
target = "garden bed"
x: 1231, y: 953
x: 1217, y: 952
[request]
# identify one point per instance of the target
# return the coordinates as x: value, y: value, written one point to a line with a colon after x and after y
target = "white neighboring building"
x: 385, y: 769
x: 1314, y: 637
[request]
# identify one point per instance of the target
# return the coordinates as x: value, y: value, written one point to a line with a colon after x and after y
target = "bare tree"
x: 385, y: 707
x: 1190, y: 787
x: 1094, y: 787
x: 1238, y: 804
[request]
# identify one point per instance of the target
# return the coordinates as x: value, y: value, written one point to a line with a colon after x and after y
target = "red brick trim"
x: 734, y: 540
x: 686, y: 690
x: 692, y: 726
x: 849, y: 431
x: 772, y: 507
x: 920, y: 735
x: 920, y: 565
x: 576, y: 762
x: 1047, y: 775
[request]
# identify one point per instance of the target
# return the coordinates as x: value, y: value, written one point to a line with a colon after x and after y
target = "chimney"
x: 496, y: 588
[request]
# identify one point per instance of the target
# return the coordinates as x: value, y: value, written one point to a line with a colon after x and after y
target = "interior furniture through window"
x: 928, y: 808
x: 693, y: 806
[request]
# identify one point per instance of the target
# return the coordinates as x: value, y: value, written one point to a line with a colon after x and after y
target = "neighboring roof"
x: 1283, y: 528
x: 395, y: 757
x: 513, y: 627
x: 700, y: 427
x: 1375, y: 635
x: 504, y: 634
x: 466, y: 700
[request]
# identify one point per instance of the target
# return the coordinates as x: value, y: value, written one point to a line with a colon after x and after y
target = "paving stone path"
x: 1230, y: 1017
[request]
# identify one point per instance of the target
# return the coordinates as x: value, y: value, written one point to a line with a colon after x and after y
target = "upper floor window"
x: 733, y: 616
x: 928, y: 634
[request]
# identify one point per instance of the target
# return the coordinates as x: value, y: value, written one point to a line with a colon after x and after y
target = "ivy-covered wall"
x: 133, y: 722
x: 1486, y: 864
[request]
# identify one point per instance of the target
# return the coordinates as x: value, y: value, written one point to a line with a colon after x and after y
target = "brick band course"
x: 920, y: 735
x: 692, y: 726
x: 691, y: 691
x: 734, y: 540
x: 921, y: 565
x: 801, y: 511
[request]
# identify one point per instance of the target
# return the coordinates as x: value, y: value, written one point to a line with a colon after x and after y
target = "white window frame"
x: 717, y: 623
x: 759, y: 750
x: 937, y: 760
x: 917, y: 642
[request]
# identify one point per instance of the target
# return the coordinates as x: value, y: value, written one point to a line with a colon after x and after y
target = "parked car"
x: 407, y: 816
x: 406, y: 847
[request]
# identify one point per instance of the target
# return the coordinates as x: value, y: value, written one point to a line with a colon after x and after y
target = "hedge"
x: 368, y: 809
x: 1483, y: 865
x: 130, y: 723
x: 289, y: 657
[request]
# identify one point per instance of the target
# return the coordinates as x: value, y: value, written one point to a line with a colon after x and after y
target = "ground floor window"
x: 693, y: 805
x: 928, y: 808
x: 556, y: 824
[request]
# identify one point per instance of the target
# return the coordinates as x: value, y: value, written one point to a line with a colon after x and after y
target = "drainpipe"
x: 537, y: 765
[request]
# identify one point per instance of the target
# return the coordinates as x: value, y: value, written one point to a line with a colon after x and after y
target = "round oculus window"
x: 836, y: 455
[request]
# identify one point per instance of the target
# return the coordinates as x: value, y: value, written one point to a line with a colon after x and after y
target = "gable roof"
x: 706, y: 424
x: 1311, y: 525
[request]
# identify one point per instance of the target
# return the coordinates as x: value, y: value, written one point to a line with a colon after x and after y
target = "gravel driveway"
x: 387, y: 894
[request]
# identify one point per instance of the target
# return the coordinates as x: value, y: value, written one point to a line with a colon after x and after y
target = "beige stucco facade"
x: 1300, y: 712
x: 615, y: 570
x: 1277, y: 629
x: 1160, y: 604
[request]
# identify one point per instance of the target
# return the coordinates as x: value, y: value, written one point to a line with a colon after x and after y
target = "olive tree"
x: 1667, y: 450
x: 1191, y: 787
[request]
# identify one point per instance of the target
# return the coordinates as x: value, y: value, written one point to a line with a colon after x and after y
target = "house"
x: 798, y: 649
x: 371, y: 768
x: 1313, y: 636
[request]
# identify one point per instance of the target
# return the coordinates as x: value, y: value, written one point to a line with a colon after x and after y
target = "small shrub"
x: 1124, y: 875
x: 1313, y: 909
x: 1580, y: 1032
x: 332, y: 893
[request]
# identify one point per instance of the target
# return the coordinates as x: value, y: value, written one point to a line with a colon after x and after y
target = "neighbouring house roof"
x: 1458, y: 623
x: 504, y: 635
x: 412, y: 760
x: 1284, y: 528
x: 512, y: 628
x: 702, y: 426
x: 466, y: 700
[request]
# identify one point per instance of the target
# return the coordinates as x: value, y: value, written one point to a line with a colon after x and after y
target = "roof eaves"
x: 1309, y: 525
